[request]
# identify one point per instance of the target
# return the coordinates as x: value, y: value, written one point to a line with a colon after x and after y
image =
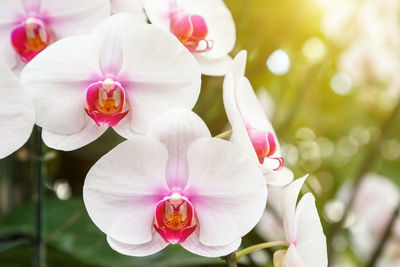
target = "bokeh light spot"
x: 341, y: 83
x: 314, y: 49
x: 278, y: 62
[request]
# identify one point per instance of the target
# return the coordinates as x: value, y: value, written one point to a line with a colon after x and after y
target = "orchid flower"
x: 303, y: 230
x: 205, y: 27
x: 119, y: 76
x: 16, y: 113
x: 29, y: 26
x: 251, y: 129
x: 176, y: 185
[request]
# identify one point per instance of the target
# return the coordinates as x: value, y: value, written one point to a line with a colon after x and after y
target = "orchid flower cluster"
x: 76, y: 68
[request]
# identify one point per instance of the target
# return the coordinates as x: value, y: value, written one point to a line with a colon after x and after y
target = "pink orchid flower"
x: 122, y: 75
x: 205, y: 27
x: 303, y: 230
x: 16, y: 113
x: 251, y: 129
x: 175, y: 185
x: 29, y: 26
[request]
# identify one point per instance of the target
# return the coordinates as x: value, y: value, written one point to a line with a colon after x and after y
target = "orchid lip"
x: 265, y: 145
x: 29, y: 38
x: 106, y: 102
x: 174, y: 219
x: 191, y: 30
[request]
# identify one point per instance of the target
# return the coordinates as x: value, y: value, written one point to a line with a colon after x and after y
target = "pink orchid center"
x: 29, y: 38
x: 191, y: 30
x: 264, y: 145
x: 106, y: 102
x: 174, y: 219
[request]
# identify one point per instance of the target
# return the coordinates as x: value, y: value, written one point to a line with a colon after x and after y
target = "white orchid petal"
x: 122, y: 189
x: 140, y: 250
x: 123, y: 128
x: 227, y: 191
x: 159, y: 11
x: 311, y: 241
x: 30, y: 6
x: 194, y: 245
x: 58, y: 77
x: 112, y: 31
x: 7, y: 52
x: 289, y: 200
x: 161, y: 74
x: 130, y: 6
x: 293, y: 258
x: 214, y: 67
x: 70, y: 17
x: 16, y: 113
x: 177, y: 130
x: 279, y: 177
x: 250, y: 108
x: 239, y: 136
x: 90, y: 132
x: 239, y: 65
x: 9, y: 12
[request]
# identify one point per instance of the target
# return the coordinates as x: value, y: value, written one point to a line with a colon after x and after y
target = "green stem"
x: 261, y: 246
x: 224, y: 134
x: 38, y: 174
x: 231, y: 260
x: 385, y: 237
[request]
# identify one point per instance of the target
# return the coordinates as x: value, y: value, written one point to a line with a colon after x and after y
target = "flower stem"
x: 224, y: 134
x: 231, y: 260
x: 385, y: 238
x: 38, y: 174
x: 261, y: 246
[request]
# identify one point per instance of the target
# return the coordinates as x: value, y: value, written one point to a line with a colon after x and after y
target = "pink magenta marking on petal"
x: 181, y: 27
x: 272, y: 144
x: 29, y: 38
x: 191, y: 30
x: 264, y: 144
x: 260, y: 142
x: 200, y: 29
x: 105, y: 102
x: 281, y: 163
x: 174, y: 219
x: 294, y: 241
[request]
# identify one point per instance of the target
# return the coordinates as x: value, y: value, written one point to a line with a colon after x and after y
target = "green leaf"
x: 69, y: 229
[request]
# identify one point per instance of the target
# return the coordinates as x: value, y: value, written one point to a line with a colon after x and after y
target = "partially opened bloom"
x: 251, y: 129
x: 303, y: 230
x: 16, y: 113
x: 175, y: 185
x: 29, y: 26
x: 205, y: 27
x: 120, y: 76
